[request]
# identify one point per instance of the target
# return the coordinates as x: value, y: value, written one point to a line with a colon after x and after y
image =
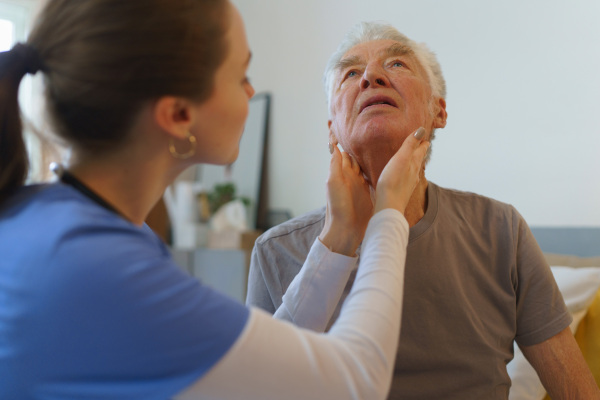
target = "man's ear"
x: 332, y: 139
x: 174, y: 115
x: 439, y: 120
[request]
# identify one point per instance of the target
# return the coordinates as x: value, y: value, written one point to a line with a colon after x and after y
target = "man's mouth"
x: 377, y: 101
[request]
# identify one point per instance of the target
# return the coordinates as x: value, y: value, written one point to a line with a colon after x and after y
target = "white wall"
x: 523, y: 96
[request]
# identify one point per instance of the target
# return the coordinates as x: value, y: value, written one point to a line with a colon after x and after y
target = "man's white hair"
x: 368, y: 31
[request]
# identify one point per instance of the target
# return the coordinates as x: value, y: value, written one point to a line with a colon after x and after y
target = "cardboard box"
x: 231, y: 239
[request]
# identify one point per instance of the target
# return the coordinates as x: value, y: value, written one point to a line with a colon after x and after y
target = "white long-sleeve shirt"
x: 273, y: 359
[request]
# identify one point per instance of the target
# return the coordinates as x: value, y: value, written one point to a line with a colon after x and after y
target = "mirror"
x: 248, y: 171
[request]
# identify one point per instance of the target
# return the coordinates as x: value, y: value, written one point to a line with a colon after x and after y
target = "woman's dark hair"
x: 102, y: 61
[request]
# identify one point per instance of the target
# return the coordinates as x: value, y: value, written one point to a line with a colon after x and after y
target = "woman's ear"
x: 174, y: 115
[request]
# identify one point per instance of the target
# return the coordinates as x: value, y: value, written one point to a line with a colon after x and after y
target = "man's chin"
x: 385, y: 129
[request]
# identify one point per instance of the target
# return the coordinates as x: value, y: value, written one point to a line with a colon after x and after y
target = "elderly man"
x: 476, y: 279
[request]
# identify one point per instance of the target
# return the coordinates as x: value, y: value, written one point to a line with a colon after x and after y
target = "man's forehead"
x: 359, y: 53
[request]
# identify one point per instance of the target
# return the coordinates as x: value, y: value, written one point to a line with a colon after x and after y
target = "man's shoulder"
x: 471, y: 199
x: 479, y: 212
x: 303, y: 228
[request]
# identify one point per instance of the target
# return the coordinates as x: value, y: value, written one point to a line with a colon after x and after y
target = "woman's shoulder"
x: 55, y: 224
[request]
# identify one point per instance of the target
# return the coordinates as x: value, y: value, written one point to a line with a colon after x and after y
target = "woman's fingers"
x: 346, y: 161
x: 355, y: 166
x: 421, y: 152
x: 349, y: 162
x: 349, y: 205
x: 401, y: 174
x: 412, y: 142
x: 341, y: 161
x: 335, y: 164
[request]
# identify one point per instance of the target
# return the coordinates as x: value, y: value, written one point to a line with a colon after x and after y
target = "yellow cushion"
x: 588, y: 338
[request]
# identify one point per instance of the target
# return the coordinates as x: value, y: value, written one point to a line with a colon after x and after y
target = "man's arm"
x: 258, y: 293
x: 312, y: 297
x: 562, y: 368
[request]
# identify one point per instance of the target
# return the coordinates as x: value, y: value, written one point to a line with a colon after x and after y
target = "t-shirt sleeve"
x: 260, y: 281
x: 141, y: 327
x: 541, y: 310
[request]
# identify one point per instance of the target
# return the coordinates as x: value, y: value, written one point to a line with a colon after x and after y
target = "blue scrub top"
x: 92, y: 306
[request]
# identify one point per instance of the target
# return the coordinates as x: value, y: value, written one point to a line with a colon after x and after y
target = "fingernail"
x: 420, y: 133
x: 330, y: 148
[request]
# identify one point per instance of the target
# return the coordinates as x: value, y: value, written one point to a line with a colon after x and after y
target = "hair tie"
x: 29, y: 58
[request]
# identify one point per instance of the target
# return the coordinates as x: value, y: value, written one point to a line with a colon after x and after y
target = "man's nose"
x: 374, y: 76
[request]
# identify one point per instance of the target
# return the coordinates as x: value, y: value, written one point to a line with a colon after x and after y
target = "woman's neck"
x: 131, y: 186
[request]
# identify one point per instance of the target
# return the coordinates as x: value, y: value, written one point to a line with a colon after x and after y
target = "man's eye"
x: 397, y: 64
x: 351, y: 74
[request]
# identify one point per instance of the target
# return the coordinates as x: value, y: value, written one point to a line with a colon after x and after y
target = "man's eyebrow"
x: 397, y: 49
x: 347, y: 62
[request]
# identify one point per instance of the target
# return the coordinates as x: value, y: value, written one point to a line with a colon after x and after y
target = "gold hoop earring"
x: 186, y: 155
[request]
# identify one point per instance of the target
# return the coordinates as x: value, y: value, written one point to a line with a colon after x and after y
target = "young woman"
x: 91, y: 303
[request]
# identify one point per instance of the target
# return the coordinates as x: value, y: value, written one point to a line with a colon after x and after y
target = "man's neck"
x: 417, y: 205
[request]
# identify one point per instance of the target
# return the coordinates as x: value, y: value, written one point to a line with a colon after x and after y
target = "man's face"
x: 380, y: 96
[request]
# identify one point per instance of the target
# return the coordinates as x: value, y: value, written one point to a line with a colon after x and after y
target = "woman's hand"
x: 349, y: 205
x: 401, y: 174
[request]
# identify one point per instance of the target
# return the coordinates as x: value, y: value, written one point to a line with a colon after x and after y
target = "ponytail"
x: 14, y: 162
x: 103, y: 61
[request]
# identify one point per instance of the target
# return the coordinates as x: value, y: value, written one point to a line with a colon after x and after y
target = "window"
x: 15, y: 19
x: 7, y: 34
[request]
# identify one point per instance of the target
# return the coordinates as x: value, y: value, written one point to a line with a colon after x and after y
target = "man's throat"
x: 417, y: 205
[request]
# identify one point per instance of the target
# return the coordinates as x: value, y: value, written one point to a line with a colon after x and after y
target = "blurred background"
x: 523, y: 95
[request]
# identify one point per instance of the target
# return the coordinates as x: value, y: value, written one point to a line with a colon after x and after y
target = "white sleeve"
x: 313, y: 295
x: 273, y: 359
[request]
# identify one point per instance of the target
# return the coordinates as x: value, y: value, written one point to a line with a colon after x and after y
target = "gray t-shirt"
x: 475, y: 281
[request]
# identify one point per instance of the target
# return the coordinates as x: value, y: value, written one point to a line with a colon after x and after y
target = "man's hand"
x: 349, y: 205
